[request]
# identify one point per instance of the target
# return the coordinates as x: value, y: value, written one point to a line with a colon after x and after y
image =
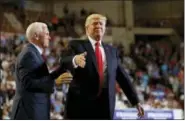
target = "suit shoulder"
x: 26, y: 50
x: 76, y: 42
x: 25, y: 53
x: 111, y: 47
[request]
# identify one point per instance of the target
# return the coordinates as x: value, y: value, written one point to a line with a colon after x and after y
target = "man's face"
x: 96, y: 28
x: 45, y: 37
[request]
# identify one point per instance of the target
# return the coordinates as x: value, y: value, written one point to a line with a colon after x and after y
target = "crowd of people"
x: 156, y: 72
x: 156, y: 69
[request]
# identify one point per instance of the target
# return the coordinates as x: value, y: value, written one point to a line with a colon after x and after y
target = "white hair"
x: 94, y: 16
x: 34, y: 28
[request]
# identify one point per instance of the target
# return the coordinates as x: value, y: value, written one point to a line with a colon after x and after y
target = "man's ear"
x: 36, y: 37
x: 86, y: 27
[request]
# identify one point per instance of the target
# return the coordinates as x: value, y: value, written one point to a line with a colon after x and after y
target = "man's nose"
x: 98, y: 25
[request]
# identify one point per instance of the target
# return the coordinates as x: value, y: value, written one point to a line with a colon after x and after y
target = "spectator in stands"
x: 54, y: 22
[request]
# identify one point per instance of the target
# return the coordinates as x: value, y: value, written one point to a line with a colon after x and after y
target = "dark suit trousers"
x: 99, y: 108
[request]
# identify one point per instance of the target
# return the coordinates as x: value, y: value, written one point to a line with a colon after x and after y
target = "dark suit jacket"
x: 85, y: 84
x: 33, y: 86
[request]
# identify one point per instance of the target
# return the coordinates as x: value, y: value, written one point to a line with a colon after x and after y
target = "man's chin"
x: 46, y: 46
x: 99, y: 36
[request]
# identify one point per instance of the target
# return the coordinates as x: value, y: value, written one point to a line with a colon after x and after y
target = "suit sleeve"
x: 32, y: 81
x: 125, y: 83
x: 67, y: 57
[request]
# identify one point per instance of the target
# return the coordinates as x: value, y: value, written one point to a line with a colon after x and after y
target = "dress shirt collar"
x: 38, y: 48
x: 93, y: 42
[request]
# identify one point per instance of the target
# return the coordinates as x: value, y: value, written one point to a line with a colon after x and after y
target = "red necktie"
x: 44, y: 57
x: 99, y: 63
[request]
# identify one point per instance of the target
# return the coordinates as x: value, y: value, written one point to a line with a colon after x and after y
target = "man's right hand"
x: 80, y: 59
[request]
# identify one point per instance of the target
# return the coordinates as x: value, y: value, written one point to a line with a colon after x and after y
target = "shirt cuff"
x: 74, y: 64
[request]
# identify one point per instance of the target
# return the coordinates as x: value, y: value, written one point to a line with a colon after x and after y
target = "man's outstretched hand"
x: 80, y: 60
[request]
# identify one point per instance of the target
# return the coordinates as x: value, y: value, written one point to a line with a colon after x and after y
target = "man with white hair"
x: 34, y: 83
x: 91, y: 93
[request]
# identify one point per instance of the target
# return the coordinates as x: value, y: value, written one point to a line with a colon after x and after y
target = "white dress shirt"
x: 93, y: 43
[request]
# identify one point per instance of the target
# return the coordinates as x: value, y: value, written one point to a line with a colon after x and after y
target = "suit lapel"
x: 108, y: 56
x: 91, y: 52
x: 39, y: 57
x: 36, y: 51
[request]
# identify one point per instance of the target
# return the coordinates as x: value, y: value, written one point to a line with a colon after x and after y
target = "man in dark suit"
x: 34, y: 83
x: 91, y: 93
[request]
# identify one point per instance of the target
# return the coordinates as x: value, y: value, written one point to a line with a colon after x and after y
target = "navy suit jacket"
x: 85, y: 84
x: 34, y: 84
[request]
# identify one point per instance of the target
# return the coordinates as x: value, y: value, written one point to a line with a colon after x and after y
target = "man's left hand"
x: 140, y: 109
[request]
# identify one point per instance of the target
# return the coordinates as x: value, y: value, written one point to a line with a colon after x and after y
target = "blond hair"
x: 35, y: 28
x: 94, y: 16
